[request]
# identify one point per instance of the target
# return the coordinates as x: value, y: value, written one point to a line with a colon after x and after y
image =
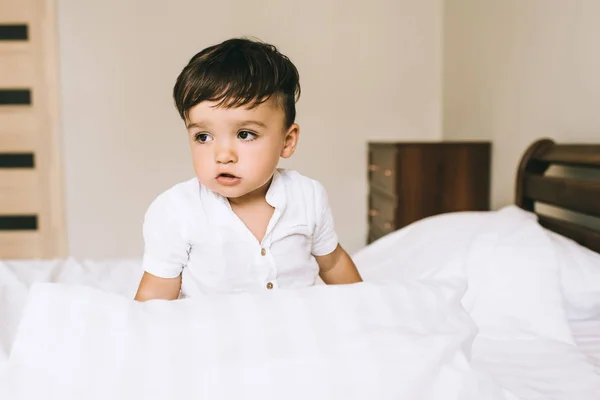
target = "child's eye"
x: 246, y: 135
x: 203, y: 137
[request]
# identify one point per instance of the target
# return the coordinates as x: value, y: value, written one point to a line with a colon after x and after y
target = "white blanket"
x: 16, y: 277
x: 363, y: 341
x: 404, y: 333
x: 538, y: 369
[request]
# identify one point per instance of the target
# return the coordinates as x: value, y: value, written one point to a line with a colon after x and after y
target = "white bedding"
x: 515, y: 290
x: 587, y: 337
x: 16, y: 277
x: 538, y: 368
x: 378, y: 341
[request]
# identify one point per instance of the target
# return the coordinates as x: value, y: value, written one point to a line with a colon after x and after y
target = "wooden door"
x: 31, y: 199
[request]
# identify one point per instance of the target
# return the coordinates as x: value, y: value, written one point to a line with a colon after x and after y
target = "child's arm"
x: 335, y: 265
x: 338, y: 268
x: 152, y: 287
x: 166, y: 250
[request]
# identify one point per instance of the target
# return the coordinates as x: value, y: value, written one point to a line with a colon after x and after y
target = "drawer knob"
x: 388, y: 225
x: 373, y: 212
x: 387, y: 172
x: 373, y: 168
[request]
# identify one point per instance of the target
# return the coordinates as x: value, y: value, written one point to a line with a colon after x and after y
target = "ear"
x: 291, y: 141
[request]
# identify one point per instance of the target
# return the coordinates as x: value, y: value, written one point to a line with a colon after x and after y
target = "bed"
x: 573, y: 194
x: 506, y: 307
x: 576, y: 195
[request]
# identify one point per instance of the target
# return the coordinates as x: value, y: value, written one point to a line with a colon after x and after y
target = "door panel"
x: 31, y: 210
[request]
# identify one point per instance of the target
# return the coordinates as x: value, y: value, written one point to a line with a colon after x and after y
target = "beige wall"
x: 516, y: 70
x: 368, y: 71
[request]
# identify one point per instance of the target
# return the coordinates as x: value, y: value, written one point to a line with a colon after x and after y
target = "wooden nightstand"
x: 412, y: 181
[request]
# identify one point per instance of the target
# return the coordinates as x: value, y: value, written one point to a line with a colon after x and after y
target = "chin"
x: 230, y: 193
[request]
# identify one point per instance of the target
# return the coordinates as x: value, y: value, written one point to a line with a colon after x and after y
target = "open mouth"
x: 227, y: 176
x: 228, y: 179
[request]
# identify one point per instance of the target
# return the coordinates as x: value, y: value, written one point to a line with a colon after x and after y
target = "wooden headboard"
x: 574, y: 194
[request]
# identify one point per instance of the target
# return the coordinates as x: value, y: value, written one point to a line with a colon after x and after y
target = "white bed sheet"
x: 587, y: 337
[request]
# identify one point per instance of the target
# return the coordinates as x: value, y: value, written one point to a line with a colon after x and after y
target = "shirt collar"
x: 276, y: 194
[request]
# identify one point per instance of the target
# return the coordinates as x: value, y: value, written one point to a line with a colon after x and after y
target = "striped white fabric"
x: 538, y: 369
x: 587, y: 337
x: 362, y: 341
x: 340, y: 343
x: 120, y: 276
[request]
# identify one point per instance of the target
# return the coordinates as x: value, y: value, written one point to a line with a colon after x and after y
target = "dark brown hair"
x: 238, y: 72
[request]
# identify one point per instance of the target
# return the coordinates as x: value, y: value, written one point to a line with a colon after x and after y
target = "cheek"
x: 265, y: 155
x: 200, y: 158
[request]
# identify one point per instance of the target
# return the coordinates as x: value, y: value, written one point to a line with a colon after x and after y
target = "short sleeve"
x: 165, y: 250
x: 325, y: 239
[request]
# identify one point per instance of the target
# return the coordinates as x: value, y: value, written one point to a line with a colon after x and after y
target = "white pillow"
x: 427, y: 245
x: 364, y: 341
x: 514, y: 282
x: 505, y: 257
x: 580, y: 278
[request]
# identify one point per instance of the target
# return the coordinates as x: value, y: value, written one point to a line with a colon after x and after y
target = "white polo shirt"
x: 191, y: 230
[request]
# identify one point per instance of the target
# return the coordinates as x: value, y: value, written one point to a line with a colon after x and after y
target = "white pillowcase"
x: 505, y: 257
x: 426, y: 247
x: 364, y: 341
x: 514, y: 281
x: 580, y: 278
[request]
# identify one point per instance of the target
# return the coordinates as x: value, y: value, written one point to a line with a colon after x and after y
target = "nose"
x: 225, y: 153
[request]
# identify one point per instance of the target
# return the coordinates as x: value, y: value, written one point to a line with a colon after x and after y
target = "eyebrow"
x: 194, y: 125
x: 252, y: 122
x: 240, y: 123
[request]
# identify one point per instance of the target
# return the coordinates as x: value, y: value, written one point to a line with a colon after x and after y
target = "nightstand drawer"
x: 382, y: 213
x: 382, y: 168
x: 374, y: 234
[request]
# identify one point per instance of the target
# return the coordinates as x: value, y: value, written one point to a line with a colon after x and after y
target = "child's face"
x: 236, y: 150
